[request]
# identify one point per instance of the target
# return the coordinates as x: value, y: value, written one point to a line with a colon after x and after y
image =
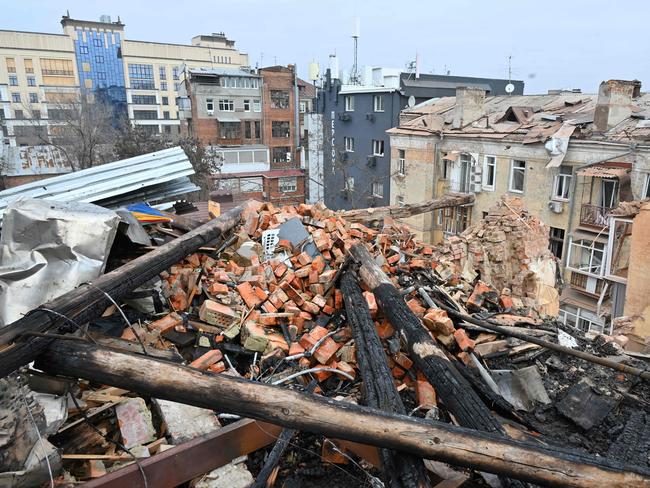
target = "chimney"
x: 614, y: 103
x: 469, y: 106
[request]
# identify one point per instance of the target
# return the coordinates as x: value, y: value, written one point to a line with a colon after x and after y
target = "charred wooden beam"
x: 455, y: 391
x: 399, y: 469
x: 89, y: 301
x: 400, y: 212
x: 552, y: 466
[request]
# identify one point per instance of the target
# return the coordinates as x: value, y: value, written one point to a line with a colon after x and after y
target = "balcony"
x: 594, y: 215
x: 587, y: 284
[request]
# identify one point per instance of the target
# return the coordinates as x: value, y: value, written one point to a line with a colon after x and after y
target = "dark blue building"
x: 356, y: 147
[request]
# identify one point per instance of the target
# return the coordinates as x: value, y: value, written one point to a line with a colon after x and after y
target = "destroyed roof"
x: 152, y: 177
x: 525, y: 118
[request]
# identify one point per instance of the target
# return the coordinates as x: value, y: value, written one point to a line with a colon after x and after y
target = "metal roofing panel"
x: 108, y: 180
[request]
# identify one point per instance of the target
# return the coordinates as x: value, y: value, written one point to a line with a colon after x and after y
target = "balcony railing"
x: 594, y: 215
x: 579, y: 281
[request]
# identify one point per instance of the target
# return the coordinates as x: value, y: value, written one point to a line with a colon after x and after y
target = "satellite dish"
x: 411, y: 102
x: 510, y: 88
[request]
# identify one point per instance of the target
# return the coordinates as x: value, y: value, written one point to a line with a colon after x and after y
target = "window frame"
x: 349, y: 103
x: 400, y: 201
x: 566, y: 179
x: 401, y: 162
x: 646, y: 188
x: 591, y: 270
x: 15, y: 97
x: 226, y: 105
x: 489, y: 161
x: 13, y: 80
x: 378, y: 107
x: 33, y: 97
x: 291, y: 182
x: 380, y: 145
x: 209, y: 105
x: 512, y: 173
x: 247, y: 105
x: 377, y: 189
x: 555, y: 240
x: 257, y: 105
x: 348, y: 147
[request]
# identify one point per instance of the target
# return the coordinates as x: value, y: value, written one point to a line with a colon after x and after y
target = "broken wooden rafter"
x: 403, y: 211
x: 553, y: 466
x: 88, y: 301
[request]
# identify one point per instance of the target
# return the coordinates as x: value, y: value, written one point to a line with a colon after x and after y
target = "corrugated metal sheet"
x: 151, y: 177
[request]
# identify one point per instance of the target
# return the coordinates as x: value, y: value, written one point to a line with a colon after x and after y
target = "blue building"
x: 356, y: 148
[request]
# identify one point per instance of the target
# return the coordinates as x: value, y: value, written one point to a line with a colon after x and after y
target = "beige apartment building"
x: 571, y: 157
x: 40, y: 72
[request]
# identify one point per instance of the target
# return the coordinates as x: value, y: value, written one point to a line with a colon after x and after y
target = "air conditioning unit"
x: 288, y: 157
x: 370, y: 117
x: 210, y: 112
x: 345, y: 117
x: 556, y: 207
x: 371, y: 161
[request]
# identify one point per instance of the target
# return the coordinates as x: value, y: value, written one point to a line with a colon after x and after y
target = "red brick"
x: 372, y: 303
x: 425, y: 393
x: 216, y: 314
x: 464, y: 342
x: 218, y: 289
x: 217, y: 367
x: 403, y: 360
x: 416, y: 307
x: 295, y: 348
x: 248, y: 294
x: 437, y: 321
x: 384, y: 329
x: 207, y: 359
x: 167, y: 323
x: 304, y: 258
x: 326, y: 350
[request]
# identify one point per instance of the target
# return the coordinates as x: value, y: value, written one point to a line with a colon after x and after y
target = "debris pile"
x: 301, y: 298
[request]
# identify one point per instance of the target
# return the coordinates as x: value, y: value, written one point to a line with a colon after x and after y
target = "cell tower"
x: 355, y: 79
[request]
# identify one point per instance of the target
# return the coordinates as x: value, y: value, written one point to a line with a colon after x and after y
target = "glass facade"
x: 100, y: 67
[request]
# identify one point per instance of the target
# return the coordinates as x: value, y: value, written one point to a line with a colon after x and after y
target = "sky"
x: 552, y: 44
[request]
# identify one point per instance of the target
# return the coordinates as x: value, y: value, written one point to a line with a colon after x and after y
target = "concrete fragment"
x: 134, y: 421
x: 185, y: 422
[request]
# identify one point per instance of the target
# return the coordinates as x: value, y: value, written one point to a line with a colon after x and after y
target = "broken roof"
x: 527, y: 118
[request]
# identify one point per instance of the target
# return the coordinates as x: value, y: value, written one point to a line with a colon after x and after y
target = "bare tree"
x: 3, y: 170
x: 206, y: 161
x: 81, y: 127
x: 134, y: 140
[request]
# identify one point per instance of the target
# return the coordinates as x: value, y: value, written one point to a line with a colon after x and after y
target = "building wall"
x: 283, y: 80
x: 637, y: 304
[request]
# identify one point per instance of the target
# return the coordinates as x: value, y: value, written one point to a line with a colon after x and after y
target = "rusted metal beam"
x: 194, y: 458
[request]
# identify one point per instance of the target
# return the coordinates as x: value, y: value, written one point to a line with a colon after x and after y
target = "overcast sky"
x: 553, y: 44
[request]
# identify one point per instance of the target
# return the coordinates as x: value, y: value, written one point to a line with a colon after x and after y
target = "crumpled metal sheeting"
x: 48, y: 248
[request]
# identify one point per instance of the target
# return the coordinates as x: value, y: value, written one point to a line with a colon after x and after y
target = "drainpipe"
x: 296, y: 116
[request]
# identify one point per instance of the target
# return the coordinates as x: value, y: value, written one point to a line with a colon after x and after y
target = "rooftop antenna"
x: 354, y: 76
x: 510, y: 87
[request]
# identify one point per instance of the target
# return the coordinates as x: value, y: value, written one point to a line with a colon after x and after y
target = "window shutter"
x: 476, y: 174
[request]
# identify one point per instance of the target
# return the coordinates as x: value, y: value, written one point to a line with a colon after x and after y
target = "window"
x: 646, y: 190
x: 177, y: 86
x: 229, y: 130
x: 288, y: 184
x: 29, y: 66
x: 281, y: 154
x: 145, y: 114
x: 175, y: 72
x: 144, y: 99
x: 101, y: 75
x: 401, y: 162
x: 556, y: 241
x: 226, y: 105
x: 247, y: 105
x: 162, y: 73
x: 15, y: 97
x: 377, y: 147
x: 400, y: 200
x: 279, y: 99
x: 36, y: 114
x: 303, y: 107
x: 13, y: 80
x: 163, y: 86
x: 18, y: 114
x: 11, y: 65
x: 349, y: 103
x: 586, y: 256
x: 562, y: 184
x: 33, y: 98
x: 446, y: 169
x: 280, y: 128
x: 166, y: 115
x: 248, y: 185
x: 57, y: 67
x: 168, y: 129
x: 99, y: 59
x: 349, y: 183
x: 349, y: 144
x: 248, y: 133
x: 582, y: 319
x: 31, y: 81
x: 83, y: 49
x: 2, y: 115
x: 165, y: 100
x: 97, y: 42
x: 489, y: 172
x: 209, y: 105
x: 378, y: 103
x: 517, y: 175
x: 378, y: 190
x: 258, y: 129
x: 141, y: 76
x: 257, y: 106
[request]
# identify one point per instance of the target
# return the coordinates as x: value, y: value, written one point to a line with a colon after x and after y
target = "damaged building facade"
x: 571, y: 158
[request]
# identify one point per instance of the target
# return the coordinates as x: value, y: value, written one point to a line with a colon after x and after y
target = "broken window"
x: 586, y: 256
x: 349, y: 144
x: 349, y: 103
x: 226, y: 105
x: 279, y: 99
x: 609, y: 193
x: 377, y: 147
x: 556, y: 241
x: 378, y: 190
x: 288, y: 184
x: 581, y: 319
x: 646, y: 188
x: 562, y: 184
x: 229, y: 130
x: 282, y: 154
x: 620, y: 235
x: 378, y: 103
x: 280, y: 128
x: 400, y: 200
x: 249, y: 185
x: 401, y: 162
x: 489, y: 172
x: 517, y: 175
x: 349, y: 183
